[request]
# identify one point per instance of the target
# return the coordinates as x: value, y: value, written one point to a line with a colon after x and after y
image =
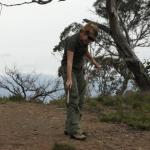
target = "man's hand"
x: 97, y: 66
x: 69, y: 84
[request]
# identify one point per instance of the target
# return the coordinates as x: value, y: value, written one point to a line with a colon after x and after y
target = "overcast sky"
x: 29, y: 32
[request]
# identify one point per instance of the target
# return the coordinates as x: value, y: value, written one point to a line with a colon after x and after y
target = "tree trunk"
x: 133, y: 63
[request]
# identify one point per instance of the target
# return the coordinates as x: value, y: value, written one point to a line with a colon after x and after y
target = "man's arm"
x: 70, y: 55
x: 94, y: 62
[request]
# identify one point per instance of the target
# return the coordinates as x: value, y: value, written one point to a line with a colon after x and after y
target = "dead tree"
x: 29, y: 86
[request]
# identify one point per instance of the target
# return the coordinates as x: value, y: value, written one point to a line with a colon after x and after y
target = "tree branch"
x: 125, y: 30
x: 18, y: 4
x: 125, y: 50
x: 41, y: 2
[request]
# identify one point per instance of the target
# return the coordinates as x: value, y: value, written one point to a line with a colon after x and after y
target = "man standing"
x: 76, y: 48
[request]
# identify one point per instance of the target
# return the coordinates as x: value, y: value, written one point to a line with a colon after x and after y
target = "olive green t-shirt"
x: 74, y: 44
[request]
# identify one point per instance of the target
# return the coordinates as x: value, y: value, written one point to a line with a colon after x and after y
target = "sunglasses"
x: 89, y: 37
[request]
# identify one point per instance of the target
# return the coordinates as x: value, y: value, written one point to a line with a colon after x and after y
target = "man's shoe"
x: 78, y: 136
x: 82, y: 132
x: 66, y: 133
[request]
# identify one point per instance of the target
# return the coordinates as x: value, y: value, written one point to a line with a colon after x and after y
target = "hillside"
x: 33, y: 126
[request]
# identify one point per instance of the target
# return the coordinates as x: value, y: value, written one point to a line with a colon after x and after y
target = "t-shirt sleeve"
x: 71, y: 45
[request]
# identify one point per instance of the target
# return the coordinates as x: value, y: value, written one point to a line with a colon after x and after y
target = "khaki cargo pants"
x: 76, y: 100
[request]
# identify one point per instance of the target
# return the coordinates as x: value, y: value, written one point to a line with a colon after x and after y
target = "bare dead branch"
x: 18, y: 4
x: 41, y: 2
x: 28, y: 86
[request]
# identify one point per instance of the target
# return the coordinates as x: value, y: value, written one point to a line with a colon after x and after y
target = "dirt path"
x: 30, y: 126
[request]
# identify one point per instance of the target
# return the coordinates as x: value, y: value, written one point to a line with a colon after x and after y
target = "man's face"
x: 85, y: 38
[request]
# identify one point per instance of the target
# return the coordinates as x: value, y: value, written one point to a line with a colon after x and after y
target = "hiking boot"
x: 81, y: 132
x: 66, y: 133
x: 78, y: 136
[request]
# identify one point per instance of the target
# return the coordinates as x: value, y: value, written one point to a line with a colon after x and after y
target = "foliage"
x: 132, y: 109
x: 134, y: 17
